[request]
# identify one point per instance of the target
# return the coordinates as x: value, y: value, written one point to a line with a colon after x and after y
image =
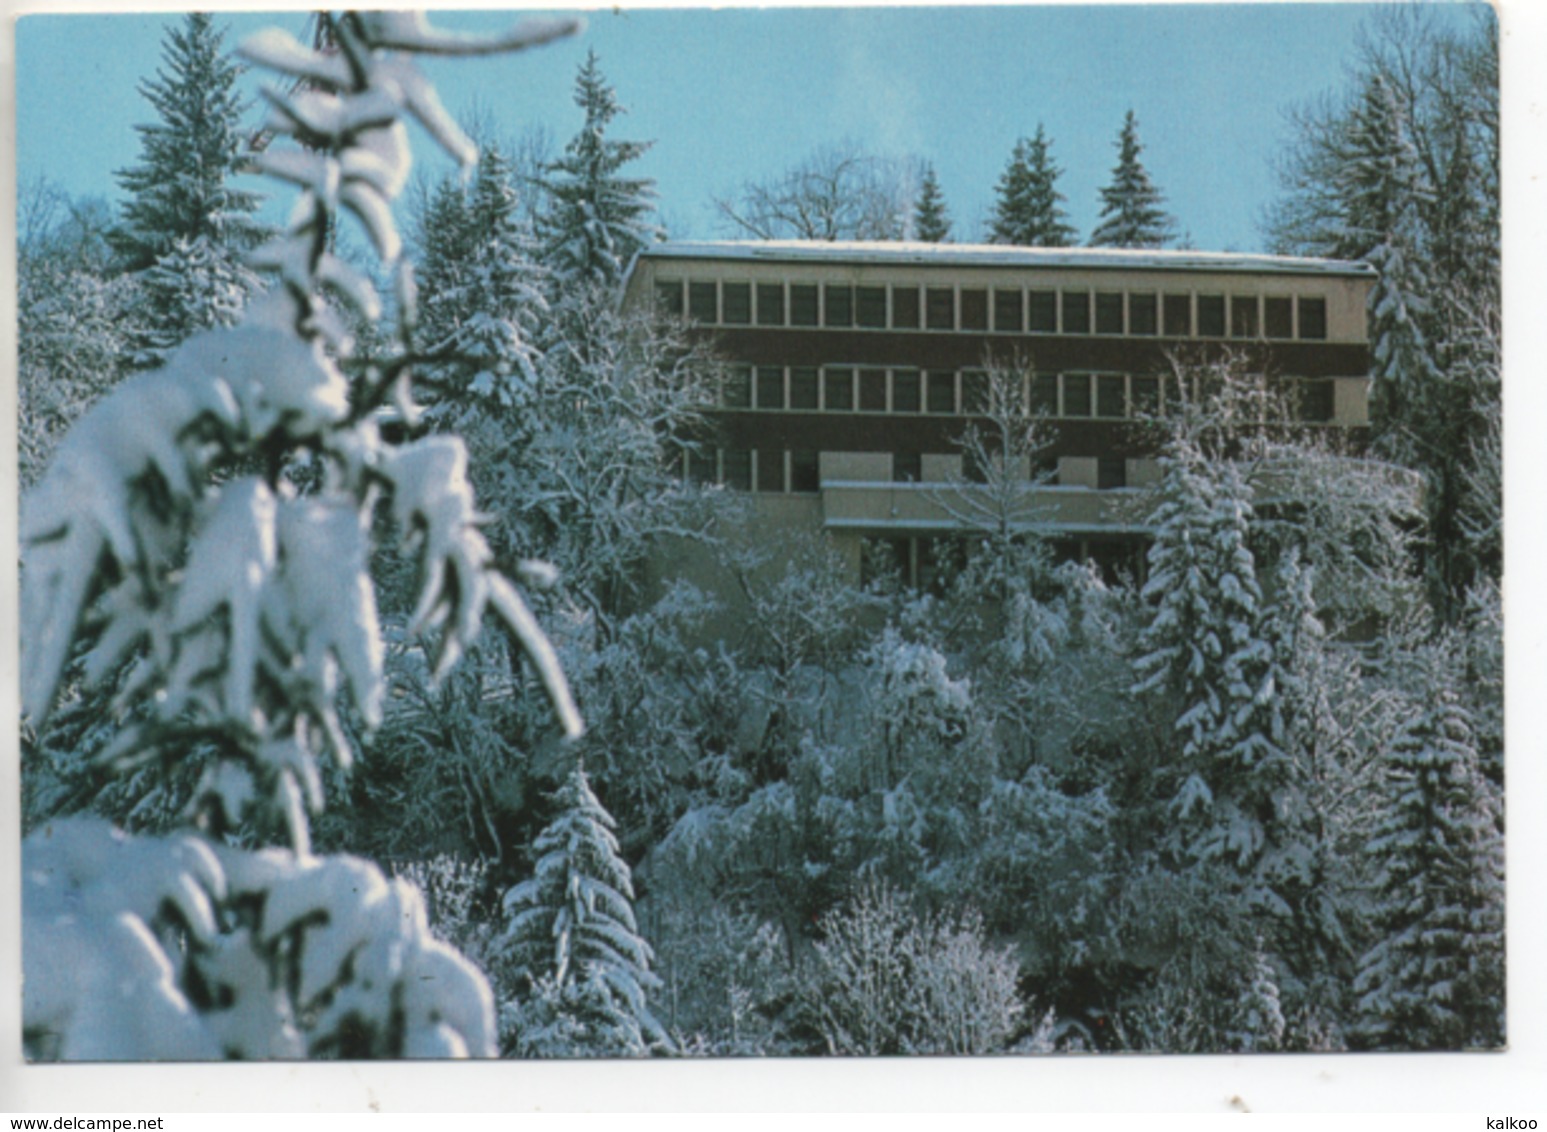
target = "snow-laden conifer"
x: 598, y: 217
x: 1028, y: 209
x: 181, y: 188
x: 482, y: 293
x: 1386, y: 190
x: 1132, y: 212
x: 169, y: 539
x: 1433, y: 979
x: 575, y: 944
x: 1204, y: 647
x: 197, y: 285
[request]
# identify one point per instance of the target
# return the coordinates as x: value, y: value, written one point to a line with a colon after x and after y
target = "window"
x: 1178, y: 312
x: 1145, y: 393
x: 737, y: 300
x: 736, y: 466
x: 1243, y: 316
x: 803, y: 305
x: 1111, y: 471
x: 737, y: 393
x: 1141, y: 314
x: 1044, y: 394
x: 701, y: 302
x: 770, y: 387
x: 974, y: 309
x: 939, y: 308
x: 770, y: 469
x: 1313, y: 318
x: 1109, y: 312
x: 1076, y: 394
x: 1009, y: 311
x: 1278, y: 316
x: 701, y: 465
x: 1076, y: 306
x: 974, y: 392
x: 872, y: 390
x: 1316, y: 403
x: 905, y: 391
x: 871, y: 307
x: 839, y: 307
x: 770, y: 304
x: 1211, y: 316
x: 838, y: 388
x: 668, y: 298
x: 905, y: 308
x: 1110, y: 396
x: 1044, y: 312
x: 942, y: 391
x: 804, y: 390
x: 805, y: 472
x: 907, y: 467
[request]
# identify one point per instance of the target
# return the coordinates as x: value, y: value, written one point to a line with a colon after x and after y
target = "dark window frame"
x: 764, y: 292
x: 737, y: 287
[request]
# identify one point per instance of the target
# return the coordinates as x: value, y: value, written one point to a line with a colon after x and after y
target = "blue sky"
x: 731, y: 95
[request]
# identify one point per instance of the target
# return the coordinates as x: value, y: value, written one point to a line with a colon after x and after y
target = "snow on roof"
x: 994, y: 255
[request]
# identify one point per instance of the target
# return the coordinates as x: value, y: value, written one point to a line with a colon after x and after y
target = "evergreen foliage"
x: 573, y: 939
x: 1433, y: 979
x: 180, y: 190
x: 483, y: 295
x: 1132, y: 215
x: 1028, y: 210
x: 931, y: 222
x: 598, y: 219
x: 170, y: 540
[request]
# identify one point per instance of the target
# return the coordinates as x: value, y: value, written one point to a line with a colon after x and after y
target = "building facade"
x: 856, y: 370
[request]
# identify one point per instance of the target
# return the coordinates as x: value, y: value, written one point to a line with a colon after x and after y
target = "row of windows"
x: 1007, y: 310
x: 876, y: 389
x: 785, y: 471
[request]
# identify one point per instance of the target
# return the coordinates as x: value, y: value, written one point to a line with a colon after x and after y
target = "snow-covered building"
x: 855, y: 370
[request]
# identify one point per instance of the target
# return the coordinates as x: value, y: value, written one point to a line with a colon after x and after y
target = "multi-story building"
x: 856, y: 368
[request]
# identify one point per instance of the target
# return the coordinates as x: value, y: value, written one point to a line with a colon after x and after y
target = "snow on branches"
x: 171, y: 553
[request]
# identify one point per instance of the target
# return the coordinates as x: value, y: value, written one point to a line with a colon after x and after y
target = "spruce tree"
x: 1204, y: 646
x: 482, y: 291
x: 180, y: 190
x: 574, y: 941
x: 931, y: 223
x: 1132, y: 215
x: 599, y: 219
x: 1029, y: 209
x: 1434, y: 977
x: 1386, y: 191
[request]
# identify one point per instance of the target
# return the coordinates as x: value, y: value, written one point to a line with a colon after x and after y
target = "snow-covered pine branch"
x: 168, y: 537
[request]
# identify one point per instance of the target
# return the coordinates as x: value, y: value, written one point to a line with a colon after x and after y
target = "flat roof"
x: 995, y: 255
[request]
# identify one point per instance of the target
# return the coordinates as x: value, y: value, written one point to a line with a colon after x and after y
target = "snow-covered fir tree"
x: 1386, y: 190
x: 195, y: 286
x: 169, y: 539
x: 1433, y: 978
x: 931, y: 221
x: 583, y: 968
x: 181, y: 188
x: 482, y: 292
x: 1204, y: 646
x: 598, y: 218
x: 1028, y: 209
x: 1132, y: 212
